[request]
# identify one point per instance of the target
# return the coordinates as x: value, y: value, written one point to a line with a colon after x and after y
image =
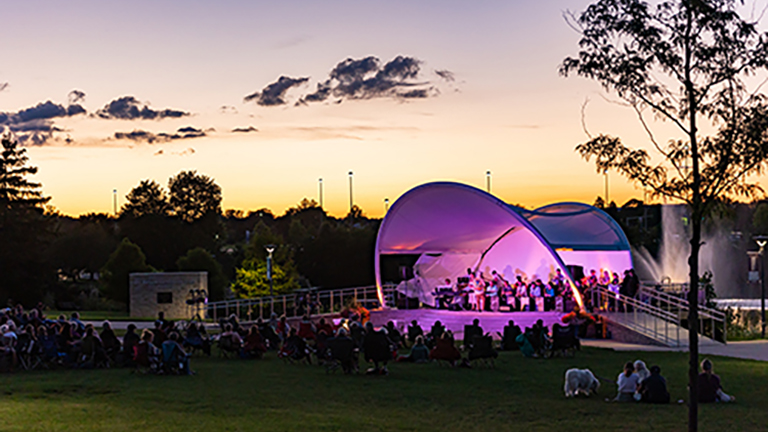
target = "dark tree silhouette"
x: 683, y: 62
x: 199, y: 259
x: 193, y: 195
x: 126, y: 259
x: 146, y: 198
x: 24, y: 229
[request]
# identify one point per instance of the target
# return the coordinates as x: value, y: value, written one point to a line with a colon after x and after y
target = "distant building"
x: 151, y: 293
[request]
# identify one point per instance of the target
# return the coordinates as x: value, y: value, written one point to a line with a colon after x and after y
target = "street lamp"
x: 488, y: 181
x: 320, y: 182
x: 270, y: 248
x: 114, y: 201
x: 351, y: 202
x: 605, y: 173
x: 761, y: 241
x: 386, y: 205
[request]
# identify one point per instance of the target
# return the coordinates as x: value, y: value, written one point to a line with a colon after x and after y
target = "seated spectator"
x: 230, y: 340
x: 445, y: 350
x: 414, y: 330
x: 627, y: 382
x: 306, y: 328
x: 146, y: 354
x: 194, y: 339
x: 174, y: 355
x: 394, y: 335
x: 508, y: 339
x: 130, y: 340
x: 294, y: 347
x: 419, y: 352
x: 253, y: 345
x: 710, y: 389
x: 642, y: 372
x: 111, y: 343
x: 75, y: 320
x: 436, y: 332
x: 323, y: 325
x: 377, y: 349
x: 92, y: 349
x: 653, y: 389
x: 159, y: 334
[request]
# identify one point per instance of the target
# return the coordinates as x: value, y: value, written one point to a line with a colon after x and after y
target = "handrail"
x: 669, y: 308
x: 326, y: 301
x: 603, y: 296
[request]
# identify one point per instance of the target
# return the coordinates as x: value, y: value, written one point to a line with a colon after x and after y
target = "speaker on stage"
x: 576, y: 271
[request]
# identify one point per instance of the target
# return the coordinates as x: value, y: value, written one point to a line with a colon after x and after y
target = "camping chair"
x: 470, y: 331
x: 341, y: 353
x: 145, y: 361
x: 482, y: 351
x: 295, y: 349
x: 228, y: 347
x: 508, y: 339
x: 565, y: 340
x: 28, y: 352
x: 173, y: 360
x: 377, y: 349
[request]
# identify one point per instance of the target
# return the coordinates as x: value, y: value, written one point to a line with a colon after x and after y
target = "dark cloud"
x: 274, y: 94
x: 446, y: 75
x: 76, y: 96
x: 3, y: 86
x: 186, y: 132
x: 34, y: 125
x: 228, y: 109
x: 129, y: 108
x: 248, y: 129
x: 368, y: 78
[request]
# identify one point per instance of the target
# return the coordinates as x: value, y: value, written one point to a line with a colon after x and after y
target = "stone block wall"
x: 151, y: 293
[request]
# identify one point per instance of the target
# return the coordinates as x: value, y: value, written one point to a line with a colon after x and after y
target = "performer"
x: 492, y: 292
x: 521, y: 292
x: 480, y: 292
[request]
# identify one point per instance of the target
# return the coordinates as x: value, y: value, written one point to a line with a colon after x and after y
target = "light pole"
x: 605, y: 173
x: 320, y: 184
x: 386, y: 205
x: 488, y: 181
x: 114, y: 201
x: 270, y: 248
x: 351, y: 201
x: 761, y: 241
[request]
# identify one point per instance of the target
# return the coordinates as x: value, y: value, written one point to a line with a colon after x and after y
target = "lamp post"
x: 351, y: 201
x: 114, y: 201
x: 488, y: 181
x: 386, y: 205
x: 761, y: 241
x: 605, y: 173
x: 320, y: 185
x: 270, y: 248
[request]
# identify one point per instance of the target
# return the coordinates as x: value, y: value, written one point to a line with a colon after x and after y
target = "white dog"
x: 580, y: 381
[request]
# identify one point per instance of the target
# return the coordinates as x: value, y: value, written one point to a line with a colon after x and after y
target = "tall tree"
x: 126, y: 259
x: 684, y: 62
x: 193, y: 195
x: 146, y: 198
x: 199, y: 259
x: 24, y: 228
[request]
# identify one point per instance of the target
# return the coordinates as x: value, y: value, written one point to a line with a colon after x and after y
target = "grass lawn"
x: 237, y: 395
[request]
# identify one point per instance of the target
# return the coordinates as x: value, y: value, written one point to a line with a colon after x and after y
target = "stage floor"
x: 456, y: 320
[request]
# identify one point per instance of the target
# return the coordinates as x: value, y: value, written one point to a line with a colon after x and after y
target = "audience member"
x: 653, y: 389
x: 710, y: 389
x: 627, y: 382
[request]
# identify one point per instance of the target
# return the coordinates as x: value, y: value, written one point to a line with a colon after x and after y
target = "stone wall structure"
x: 151, y: 293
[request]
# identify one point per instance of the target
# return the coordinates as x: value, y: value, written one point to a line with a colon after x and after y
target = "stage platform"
x: 455, y: 321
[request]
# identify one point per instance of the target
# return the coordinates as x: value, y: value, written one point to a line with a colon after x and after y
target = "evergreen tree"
x: 126, y: 259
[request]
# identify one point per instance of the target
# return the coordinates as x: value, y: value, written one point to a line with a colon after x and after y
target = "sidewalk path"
x: 750, y: 350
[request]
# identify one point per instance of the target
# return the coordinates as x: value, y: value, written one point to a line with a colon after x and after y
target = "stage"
x: 456, y: 320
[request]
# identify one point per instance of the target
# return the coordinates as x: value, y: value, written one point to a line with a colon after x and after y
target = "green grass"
x: 236, y: 395
x: 96, y: 315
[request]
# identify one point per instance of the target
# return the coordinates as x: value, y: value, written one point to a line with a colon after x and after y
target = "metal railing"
x: 655, y: 306
x: 290, y: 305
x: 652, y: 321
x: 713, y: 323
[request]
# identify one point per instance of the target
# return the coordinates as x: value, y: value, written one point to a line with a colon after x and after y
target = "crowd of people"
x: 31, y: 340
x: 480, y: 292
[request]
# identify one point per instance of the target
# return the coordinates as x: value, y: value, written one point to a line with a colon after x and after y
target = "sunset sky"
x: 434, y: 90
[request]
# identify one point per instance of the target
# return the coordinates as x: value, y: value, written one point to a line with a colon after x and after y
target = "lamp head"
x: 761, y: 240
x: 270, y: 248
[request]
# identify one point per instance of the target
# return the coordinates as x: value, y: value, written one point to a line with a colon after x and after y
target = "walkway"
x: 749, y: 350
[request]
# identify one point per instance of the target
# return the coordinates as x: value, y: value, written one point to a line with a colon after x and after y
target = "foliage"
x: 193, y: 195
x: 199, y: 259
x: 126, y: 259
x: 743, y: 324
x: 707, y: 284
x: 146, y: 198
x: 25, y: 230
x: 760, y: 219
x: 251, y: 279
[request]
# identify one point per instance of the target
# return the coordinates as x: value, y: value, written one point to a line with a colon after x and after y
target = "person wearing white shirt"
x: 627, y: 382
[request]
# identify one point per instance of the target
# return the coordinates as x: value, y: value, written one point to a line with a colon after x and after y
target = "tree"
x: 684, y: 62
x: 760, y: 219
x: 193, y: 195
x: 146, y: 198
x: 126, y: 259
x: 251, y: 279
x: 198, y: 259
x: 24, y: 228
